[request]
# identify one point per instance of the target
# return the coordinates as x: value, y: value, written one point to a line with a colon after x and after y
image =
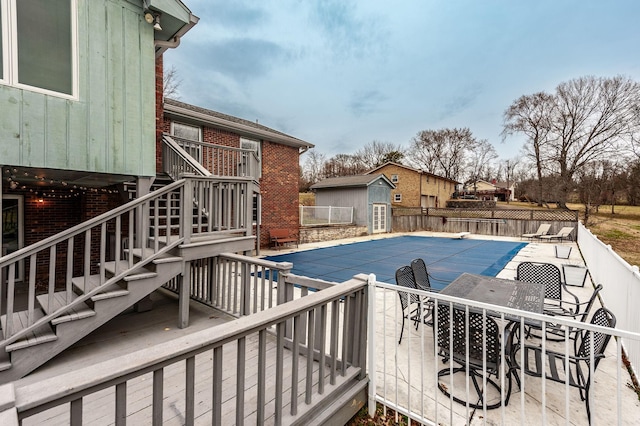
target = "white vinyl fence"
x: 325, y: 215
x: 621, y: 287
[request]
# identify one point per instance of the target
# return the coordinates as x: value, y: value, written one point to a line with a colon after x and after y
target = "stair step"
x: 123, y: 265
x: 59, y: 300
x: 94, y: 281
x: 42, y: 334
x: 165, y: 258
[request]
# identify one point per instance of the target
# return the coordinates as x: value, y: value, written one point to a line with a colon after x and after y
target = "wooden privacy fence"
x: 499, y: 222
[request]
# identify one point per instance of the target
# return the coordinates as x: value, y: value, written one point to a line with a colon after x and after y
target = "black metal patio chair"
x: 410, y: 302
x: 587, y: 345
x: 481, y: 337
x: 557, y: 332
x: 550, y: 276
x: 422, y: 277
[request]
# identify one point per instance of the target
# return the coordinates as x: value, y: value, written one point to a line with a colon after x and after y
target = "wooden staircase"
x: 51, y: 338
x: 74, y: 283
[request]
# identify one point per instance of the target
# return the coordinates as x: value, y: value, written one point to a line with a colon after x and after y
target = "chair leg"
x: 480, y: 392
x: 402, y: 329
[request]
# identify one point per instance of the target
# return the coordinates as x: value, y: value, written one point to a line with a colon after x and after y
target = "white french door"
x: 379, y: 218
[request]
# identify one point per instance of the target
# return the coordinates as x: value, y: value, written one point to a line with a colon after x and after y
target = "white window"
x: 38, y: 46
x: 394, y: 178
x: 397, y: 198
x: 186, y: 131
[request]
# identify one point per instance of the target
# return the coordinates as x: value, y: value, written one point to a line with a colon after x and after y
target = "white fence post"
x: 371, y: 362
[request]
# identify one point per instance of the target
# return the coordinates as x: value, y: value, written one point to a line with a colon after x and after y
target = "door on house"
x: 379, y: 218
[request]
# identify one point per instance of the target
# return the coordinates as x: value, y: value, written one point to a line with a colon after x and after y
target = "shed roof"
x: 351, y: 181
x: 422, y: 172
x: 194, y: 114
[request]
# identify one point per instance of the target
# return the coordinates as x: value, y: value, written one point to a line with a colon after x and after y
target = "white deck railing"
x: 404, y: 376
x: 621, y: 287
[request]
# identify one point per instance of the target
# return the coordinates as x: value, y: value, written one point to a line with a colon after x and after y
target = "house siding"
x: 110, y: 127
x: 413, y: 185
x: 347, y: 197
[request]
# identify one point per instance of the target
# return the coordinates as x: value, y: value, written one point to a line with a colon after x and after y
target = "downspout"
x: 161, y: 46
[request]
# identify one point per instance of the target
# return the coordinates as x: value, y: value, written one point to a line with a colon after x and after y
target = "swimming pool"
x: 446, y: 258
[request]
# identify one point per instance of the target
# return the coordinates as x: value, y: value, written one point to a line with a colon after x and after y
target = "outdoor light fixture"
x: 154, y: 19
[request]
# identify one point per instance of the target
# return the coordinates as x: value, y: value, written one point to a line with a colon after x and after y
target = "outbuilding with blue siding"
x: 369, y: 195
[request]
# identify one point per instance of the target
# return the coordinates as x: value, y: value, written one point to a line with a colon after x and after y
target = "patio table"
x: 498, y: 291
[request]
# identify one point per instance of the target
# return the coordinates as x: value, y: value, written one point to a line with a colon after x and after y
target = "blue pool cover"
x: 446, y: 258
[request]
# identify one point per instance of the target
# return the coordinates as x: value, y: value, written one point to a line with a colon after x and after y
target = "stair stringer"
x: 25, y: 360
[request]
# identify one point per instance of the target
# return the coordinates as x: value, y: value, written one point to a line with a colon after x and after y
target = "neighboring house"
x: 277, y: 153
x: 485, y: 190
x: 416, y: 188
x: 370, y: 195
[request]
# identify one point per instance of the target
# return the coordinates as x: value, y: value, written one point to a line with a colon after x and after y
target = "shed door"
x: 379, y: 218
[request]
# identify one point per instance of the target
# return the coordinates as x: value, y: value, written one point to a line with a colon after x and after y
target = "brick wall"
x: 53, y: 215
x: 159, y: 112
x: 279, y: 189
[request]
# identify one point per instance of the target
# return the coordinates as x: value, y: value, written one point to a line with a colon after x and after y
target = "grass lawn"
x: 620, y: 229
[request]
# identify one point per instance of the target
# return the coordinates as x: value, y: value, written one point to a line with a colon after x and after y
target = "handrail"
x: 84, y: 226
x: 217, y: 160
x: 86, y: 296
x: 184, y: 155
x: 127, y: 366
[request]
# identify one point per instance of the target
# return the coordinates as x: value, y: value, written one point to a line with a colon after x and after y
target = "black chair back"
x: 420, y: 274
x: 602, y: 317
x: 404, y: 278
x: 481, y: 335
x: 546, y: 274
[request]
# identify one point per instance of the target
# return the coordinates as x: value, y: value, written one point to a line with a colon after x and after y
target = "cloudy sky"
x: 342, y: 73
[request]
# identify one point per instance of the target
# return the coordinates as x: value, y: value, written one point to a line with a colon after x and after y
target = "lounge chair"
x: 542, y: 230
x: 565, y: 233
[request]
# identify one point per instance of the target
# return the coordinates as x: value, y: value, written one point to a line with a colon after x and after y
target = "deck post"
x: 8, y: 411
x: 184, y: 298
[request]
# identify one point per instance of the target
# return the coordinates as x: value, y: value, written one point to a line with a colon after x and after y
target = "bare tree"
x: 377, y: 153
x: 591, y: 121
x: 171, y: 83
x: 531, y: 115
x: 313, y: 167
x: 508, y: 171
x: 481, y: 156
x: 443, y: 152
x: 342, y: 165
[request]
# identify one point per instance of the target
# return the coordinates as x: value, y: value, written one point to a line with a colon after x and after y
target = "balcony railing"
x: 194, y: 157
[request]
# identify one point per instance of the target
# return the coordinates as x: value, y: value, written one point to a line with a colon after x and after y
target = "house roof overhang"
x: 422, y: 172
x: 352, y: 182
x: 200, y: 116
x: 175, y: 21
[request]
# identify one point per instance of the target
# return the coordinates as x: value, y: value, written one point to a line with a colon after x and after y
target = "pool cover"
x: 445, y: 258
